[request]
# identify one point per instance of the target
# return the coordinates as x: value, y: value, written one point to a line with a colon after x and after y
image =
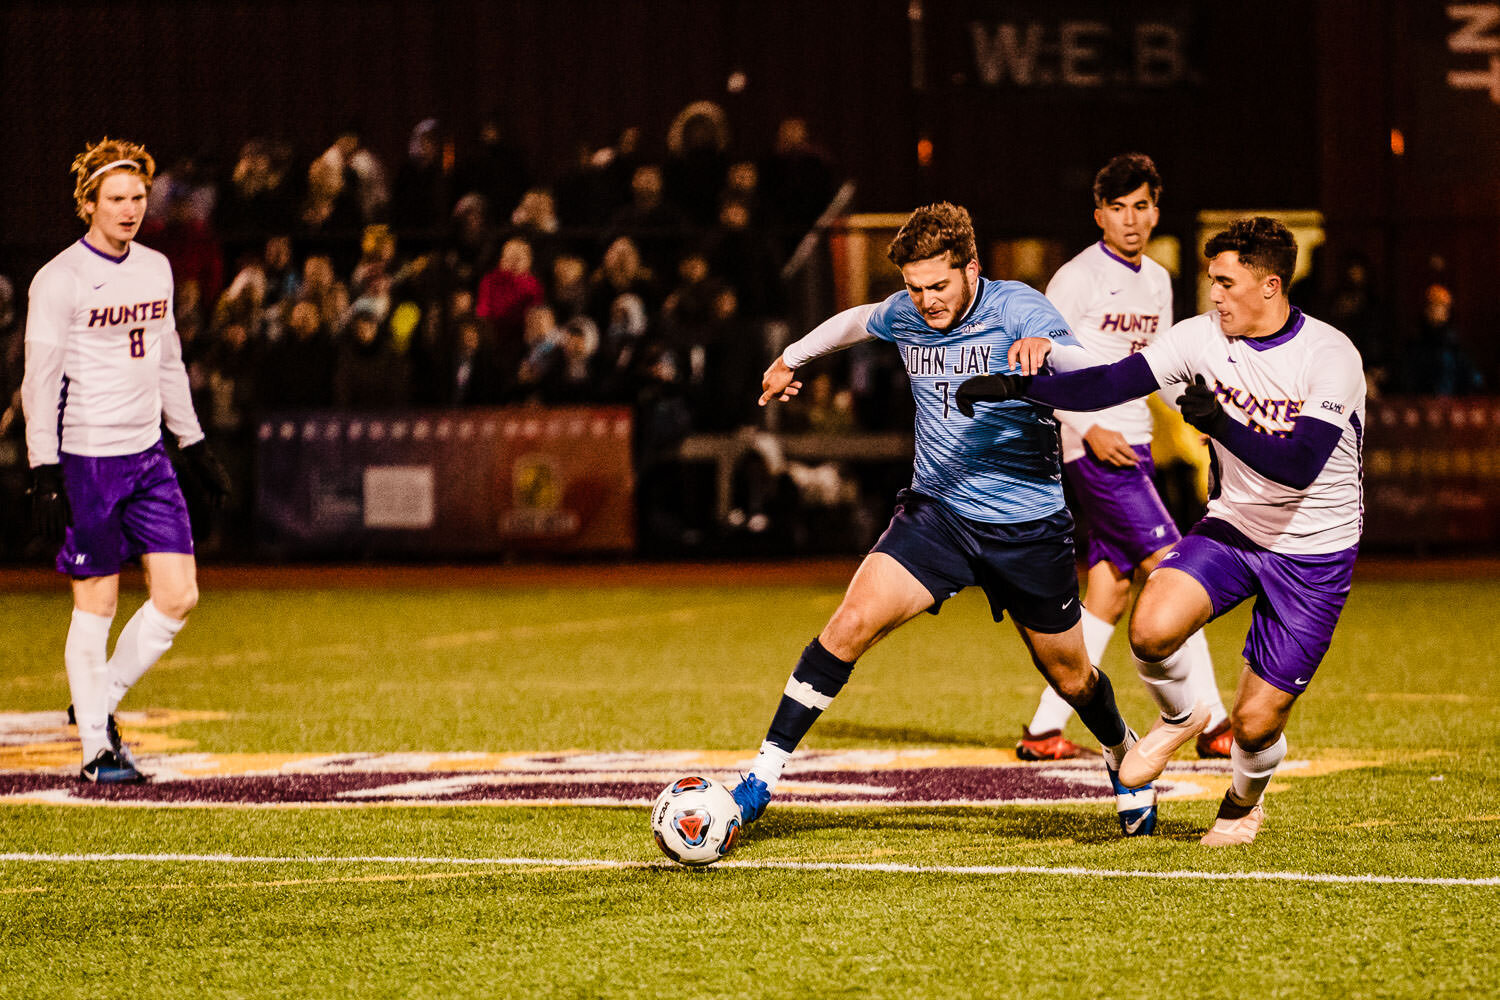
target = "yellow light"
x: 924, y: 151
x: 1398, y: 142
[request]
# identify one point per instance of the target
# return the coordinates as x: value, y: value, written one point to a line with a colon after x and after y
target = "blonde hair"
x: 99, y: 160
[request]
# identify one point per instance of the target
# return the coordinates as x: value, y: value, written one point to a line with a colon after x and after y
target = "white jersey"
x: 103, y: 360
x: 1308, y: 369
x: 1115, y: 308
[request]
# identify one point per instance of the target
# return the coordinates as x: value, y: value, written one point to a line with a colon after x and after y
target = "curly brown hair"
x: 100, y: 159
x: 1265, y: 246
x: 933, y: 230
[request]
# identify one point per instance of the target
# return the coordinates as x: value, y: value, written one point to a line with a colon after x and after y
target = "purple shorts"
x: 1297, y: 597
x: 123, y: 506
x: 1123, y: 517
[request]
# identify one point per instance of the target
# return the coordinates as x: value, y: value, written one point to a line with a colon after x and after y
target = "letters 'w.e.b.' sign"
x: 472, y: 481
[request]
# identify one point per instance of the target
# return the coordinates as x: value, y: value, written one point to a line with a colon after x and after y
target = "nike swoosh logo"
x: 1232, y: 361
x: 1134, y: 824
x: 100, y: 285
x: 1117, y: 291
x: 1069, y: 604
x: 1301, y: 681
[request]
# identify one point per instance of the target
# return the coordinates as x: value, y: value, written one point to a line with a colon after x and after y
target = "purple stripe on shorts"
x: 1298, y: 598
x: 1124, y: 516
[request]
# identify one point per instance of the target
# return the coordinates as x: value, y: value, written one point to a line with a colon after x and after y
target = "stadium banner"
x: 482, y: 481
x: 1431, y: 472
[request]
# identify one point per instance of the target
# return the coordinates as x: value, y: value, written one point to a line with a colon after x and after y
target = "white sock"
x: 1253, y: 771
x: 1201, y: 680
x: 1168, y: 683
x: 769, y: 763
x: 1113, y: 755
x: 143, y: 641
x: 1051, y: 711
x: 83, y: 655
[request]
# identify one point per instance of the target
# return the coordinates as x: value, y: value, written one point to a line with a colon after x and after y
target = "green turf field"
x: 493, y: 901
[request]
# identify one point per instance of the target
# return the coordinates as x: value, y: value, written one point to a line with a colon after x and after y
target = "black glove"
x: 207, y: 474
x: 990, y: 389
x: 50, y: 513
x: 1200, y: 407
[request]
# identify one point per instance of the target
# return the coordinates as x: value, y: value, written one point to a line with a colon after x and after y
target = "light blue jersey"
x: 1002, y: 466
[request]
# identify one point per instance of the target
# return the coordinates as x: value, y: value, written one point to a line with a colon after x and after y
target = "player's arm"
x: 1083, y: 389
x: 1293, y: 461
x: 841, y: 330
x: 47, y: 317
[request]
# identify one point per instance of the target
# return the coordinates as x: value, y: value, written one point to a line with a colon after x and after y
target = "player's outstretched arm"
x: 1293, y: 461
x: 779, y: 382
x: 1085, y: 389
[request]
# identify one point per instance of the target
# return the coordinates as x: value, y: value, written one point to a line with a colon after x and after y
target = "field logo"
x: 39, y: 760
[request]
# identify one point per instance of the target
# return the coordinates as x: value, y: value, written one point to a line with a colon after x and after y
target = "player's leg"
x: 156, y: 526
x: 94, y: 601
x: 882, y: 596
x: 1259, y: 723
x: 172, y: 592
x: 1291, y: 627
x: 1203, y: 686
x: 91, y: 554
x: 1103, y: 604
x: 1172, y: 606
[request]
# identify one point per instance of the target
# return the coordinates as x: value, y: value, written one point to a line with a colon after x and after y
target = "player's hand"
x: 50, y: 513
x: 1029, y: 354
x: 207, y: 473
x: 779, y: 382
x: 1200, y: 407
x: 1110, y: 447
x: 989, y: 389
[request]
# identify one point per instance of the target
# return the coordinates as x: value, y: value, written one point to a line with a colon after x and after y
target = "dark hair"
x: 1264, y: 245
x: 1124, y: 174
x: 933, y: 230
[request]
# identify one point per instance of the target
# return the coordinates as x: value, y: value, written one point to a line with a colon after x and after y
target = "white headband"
x: 111, y: 166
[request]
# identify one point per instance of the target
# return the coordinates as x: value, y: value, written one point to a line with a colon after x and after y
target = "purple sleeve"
x: 1293, y: 461
x: 1095, y: 388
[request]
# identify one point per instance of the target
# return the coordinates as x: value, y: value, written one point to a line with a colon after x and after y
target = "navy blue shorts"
x: 1026, y: 568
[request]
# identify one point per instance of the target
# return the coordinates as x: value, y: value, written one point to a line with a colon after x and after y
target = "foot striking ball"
x: 695, y: 821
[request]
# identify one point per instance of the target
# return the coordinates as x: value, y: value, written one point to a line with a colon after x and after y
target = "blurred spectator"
x: 473, y: 245
x: 745, y: 258
x: 1438, y: 363
x: 259, y: 199
x: 323, y: 289
x: 535, y: 221
x: 657, y: 228
x: 346, y: 188
x: 575, y: 379
x: 622, y: 271
x: 1354, y: 308
x: 569, y: 291
x: 796, y: 183
x: 698, y: 143
x: 280, y: 270
x: 496, y: 168
x: 419, y: 196
x: 474, y: 378
x: 369, y: 374
x: 190, y: 244
x: 506, y: 295
x: 298, y: 371
x: 543, y: 354
x: 689, y: 308
x: 187, y: 186
x: 377, y: 260
x: 621, y: 348
x: 229, y: 373
x: 599, y: 184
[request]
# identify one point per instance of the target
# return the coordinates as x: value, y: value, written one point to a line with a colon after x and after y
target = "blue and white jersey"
x: 1002, y: 466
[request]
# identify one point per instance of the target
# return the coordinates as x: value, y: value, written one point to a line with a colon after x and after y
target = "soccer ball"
x: 695, y: 821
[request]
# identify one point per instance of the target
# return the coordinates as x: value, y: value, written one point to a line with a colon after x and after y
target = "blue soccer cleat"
x: 1136, y: 806
x: 108, y: 768
x: 752, y: 796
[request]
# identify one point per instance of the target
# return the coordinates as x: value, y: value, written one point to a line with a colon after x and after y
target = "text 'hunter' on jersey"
x: 1002, y: 466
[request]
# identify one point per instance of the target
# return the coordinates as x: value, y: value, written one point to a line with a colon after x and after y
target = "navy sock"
x: 1101, y: 715
x: 818, y: 676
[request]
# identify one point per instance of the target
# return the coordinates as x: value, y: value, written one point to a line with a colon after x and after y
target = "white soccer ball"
x: 695, y: 821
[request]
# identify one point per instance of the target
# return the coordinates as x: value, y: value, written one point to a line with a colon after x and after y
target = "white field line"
x: 805, y: 866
